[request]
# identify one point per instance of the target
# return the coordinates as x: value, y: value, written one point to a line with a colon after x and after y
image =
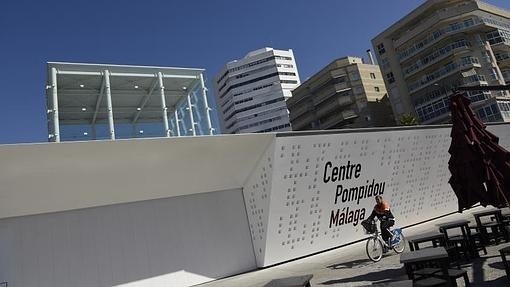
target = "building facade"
x: 347, y: 93
x: 251, y: 92
x: 440, y: 46
x: 98, y: 101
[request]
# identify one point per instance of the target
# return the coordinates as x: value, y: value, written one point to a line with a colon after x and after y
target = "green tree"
x: 408, y: 120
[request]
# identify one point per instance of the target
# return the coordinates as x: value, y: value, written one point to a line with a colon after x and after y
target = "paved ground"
x: 349, y: 266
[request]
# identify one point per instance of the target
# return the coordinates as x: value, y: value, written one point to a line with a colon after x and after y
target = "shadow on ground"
x: 352, y: 264
x: 382, y: 275
x: 499, y: 282
x: 392, y: 274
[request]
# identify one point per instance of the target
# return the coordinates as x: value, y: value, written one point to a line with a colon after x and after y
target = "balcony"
x: 329, y: 107
x: 503, y: 59
x: 300, y: 109
x: 434, y: 38
x: 338, y: 118
x: 330, y: 92
x: 446, y: 71
x: 433, y: 20
x: 302, y: 123
x: 419, y: 68
x: 501, y: 46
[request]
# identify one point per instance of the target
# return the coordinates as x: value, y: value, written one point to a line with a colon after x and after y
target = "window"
x: 372, y: 75
x: 256, y: 80
x: 493, y: 75
x: 381, y: 49
x: 354, y: 76
x: 377, y: 89
x: 390, y: 77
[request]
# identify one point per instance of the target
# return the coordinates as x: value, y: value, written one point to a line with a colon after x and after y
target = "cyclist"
x: 386, y: 218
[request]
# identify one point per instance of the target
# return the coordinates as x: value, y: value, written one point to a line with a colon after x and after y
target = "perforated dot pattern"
x: 256, y: 196
x: 411, y: 167
x: 412, y: 164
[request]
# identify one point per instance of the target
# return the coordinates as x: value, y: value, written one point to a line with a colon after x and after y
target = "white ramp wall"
x: 324, y: 184
x: 179, y: 241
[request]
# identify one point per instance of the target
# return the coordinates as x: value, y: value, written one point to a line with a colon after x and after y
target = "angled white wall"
x: 179, y: 241
x: 39, y: 178
x: 257, y: 193
x: 314, y: 205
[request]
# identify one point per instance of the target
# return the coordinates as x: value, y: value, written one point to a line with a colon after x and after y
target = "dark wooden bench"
x: 454, y: 274
x: 430, y: 282
x: 297, y: 281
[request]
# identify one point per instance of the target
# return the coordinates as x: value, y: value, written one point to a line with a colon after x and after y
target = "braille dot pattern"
x: 256, y: 196
x: 413, y: 164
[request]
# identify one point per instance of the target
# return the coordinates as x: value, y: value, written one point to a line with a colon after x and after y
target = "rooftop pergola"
x: 93, y: 94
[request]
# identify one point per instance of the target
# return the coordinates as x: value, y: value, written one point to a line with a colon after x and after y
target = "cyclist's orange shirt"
x: 382, y: 208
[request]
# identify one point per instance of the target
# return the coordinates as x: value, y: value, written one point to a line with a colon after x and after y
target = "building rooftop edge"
x: 51, y: 63
x: 429, y: 3
x: 329, y: 65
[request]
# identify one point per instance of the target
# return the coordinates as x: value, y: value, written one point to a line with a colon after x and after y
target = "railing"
x: 436, y: 36
x: 299, y: 110
x: 443, y: 72
x: 432, y: 20
x: 439, y: 55
x: 3, y: 284
x: 486, y: 5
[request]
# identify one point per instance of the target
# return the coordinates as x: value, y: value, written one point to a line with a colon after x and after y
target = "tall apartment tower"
x: 251, y: 92
x: 442, y: 45
x: 347, y: 93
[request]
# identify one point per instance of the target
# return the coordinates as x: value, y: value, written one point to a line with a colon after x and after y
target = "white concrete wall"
x: 412, y: 164
x: 40, y: 178
x: 179, y: 241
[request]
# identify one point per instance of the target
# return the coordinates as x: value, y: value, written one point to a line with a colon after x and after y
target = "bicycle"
x: 376, y: 246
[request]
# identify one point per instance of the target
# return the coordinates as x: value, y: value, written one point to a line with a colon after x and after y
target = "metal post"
x: 133, y: 131
x: 56, y: 124
x: 206, y: 105
x: 494, y: 64
x: 109, y: 103
x: 177, y: 123
x: 163, y: 104
x: 191, y: 118
x: 94, y: 132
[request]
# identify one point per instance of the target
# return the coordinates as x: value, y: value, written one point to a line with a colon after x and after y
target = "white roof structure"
x: 90, y: 94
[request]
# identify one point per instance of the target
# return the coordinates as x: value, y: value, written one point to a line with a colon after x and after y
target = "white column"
x: 494, y: 63
x: 191, y: 118
x: 54, y: 93
x: 206, y: 105
x: 109, y: 103
x: 163, y: 104
x: 177, y: 123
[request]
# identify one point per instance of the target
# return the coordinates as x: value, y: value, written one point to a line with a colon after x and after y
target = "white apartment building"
x: 251, y: 92
x: 443, y: 45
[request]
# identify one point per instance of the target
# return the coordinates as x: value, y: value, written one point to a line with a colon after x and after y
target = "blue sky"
x: 180, y: 33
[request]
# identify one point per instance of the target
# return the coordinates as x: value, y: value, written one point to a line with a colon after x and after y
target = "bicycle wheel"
x: 374, y: 249
x: 400, y: 244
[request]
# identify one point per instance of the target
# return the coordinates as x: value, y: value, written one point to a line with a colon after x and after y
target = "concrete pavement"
x: 349, y: 265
